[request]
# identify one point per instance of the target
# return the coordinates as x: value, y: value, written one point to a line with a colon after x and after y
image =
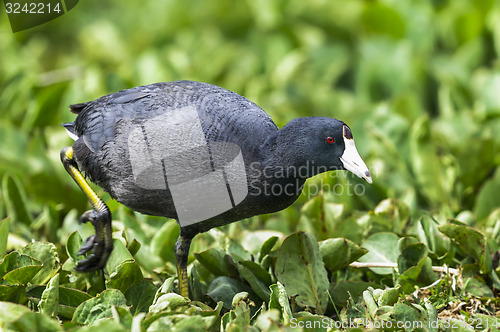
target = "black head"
x: 319, y: 144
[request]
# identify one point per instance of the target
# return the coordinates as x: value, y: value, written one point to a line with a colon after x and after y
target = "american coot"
x: 198, y: 153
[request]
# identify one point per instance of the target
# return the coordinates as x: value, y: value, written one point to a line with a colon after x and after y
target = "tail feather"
x: 77, y: 108
x: 70, y: 129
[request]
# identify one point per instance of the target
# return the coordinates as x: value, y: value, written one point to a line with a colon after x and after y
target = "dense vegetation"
x: 417, y: 81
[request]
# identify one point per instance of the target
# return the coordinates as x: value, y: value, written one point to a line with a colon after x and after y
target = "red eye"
x: 330, y: 140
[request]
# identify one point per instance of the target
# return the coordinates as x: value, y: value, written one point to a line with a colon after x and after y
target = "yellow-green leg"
x: 181, y: 254
x: 101, y: 243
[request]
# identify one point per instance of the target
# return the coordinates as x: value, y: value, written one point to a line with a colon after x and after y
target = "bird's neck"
x: 290, y: 148
x: 285, y: 158
x: 271, y: 177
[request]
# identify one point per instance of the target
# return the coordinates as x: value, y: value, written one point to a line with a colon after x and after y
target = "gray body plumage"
x: 103, y: 127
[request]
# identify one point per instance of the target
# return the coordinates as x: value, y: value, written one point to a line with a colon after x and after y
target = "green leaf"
x: 380, y: 19
x: 382, y: 248
x: 339, y: 253
x: 141, y: 296
x: 15, y: 200
x: 254, y: 241
x: 134, y: 247
x: 254, y: 275
x: 122, y: 316
x: 197, y: 288
x: 300, y: 268
x: 10, y: 312
x: 11, y: 293
x: 370, y: 301
x: 320, y: 214
x: 477, y: 288
x: 4, y: 236
x: 164, y: 240
x: 182, y: 323
x: 48, y: 222
x: 428, y: 233
x: 106, y: 324
x: 224, y: 289
x: 432, y: 315
x: 19, y: 269
x: 487, y: 321
x: 34, y: 321
x: 405, y: 313
x: 73, y: 245
x: 474, y: 171
x: 47, y: 254
x: 49, y: 300
x: 411, y: 259
x: 487, y: 200
x: 69, y: 300
x: 166, y: 287
x: 267, y: 247
x: 258, y: 271
x: 22, y: 275
x: 269, y: 319
x: 119, y: 255
x: 162, y: 323
x: 425, y: 162
x: 2, y: 206
x: 389, y: 296
x: 472, y: 241
x: 414, y: 266
x: 341, y: 291
x: 126, y: 274
x: 214, y: 261
x: 312, y: 217
x: 427, y: 275
x: 99, y: 307
x: 487, y: 83
x: 236, y: 251
x: 279, y: 300
x: 168, y: 302
x: 207, y: 311
x: 392, y: 212
x: 241, y: 309
x: 226, y: 320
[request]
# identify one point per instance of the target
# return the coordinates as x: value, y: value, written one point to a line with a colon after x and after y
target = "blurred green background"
x: 417, y: 81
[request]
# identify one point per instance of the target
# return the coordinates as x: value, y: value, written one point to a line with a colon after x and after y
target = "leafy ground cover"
x: 417, y: 81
